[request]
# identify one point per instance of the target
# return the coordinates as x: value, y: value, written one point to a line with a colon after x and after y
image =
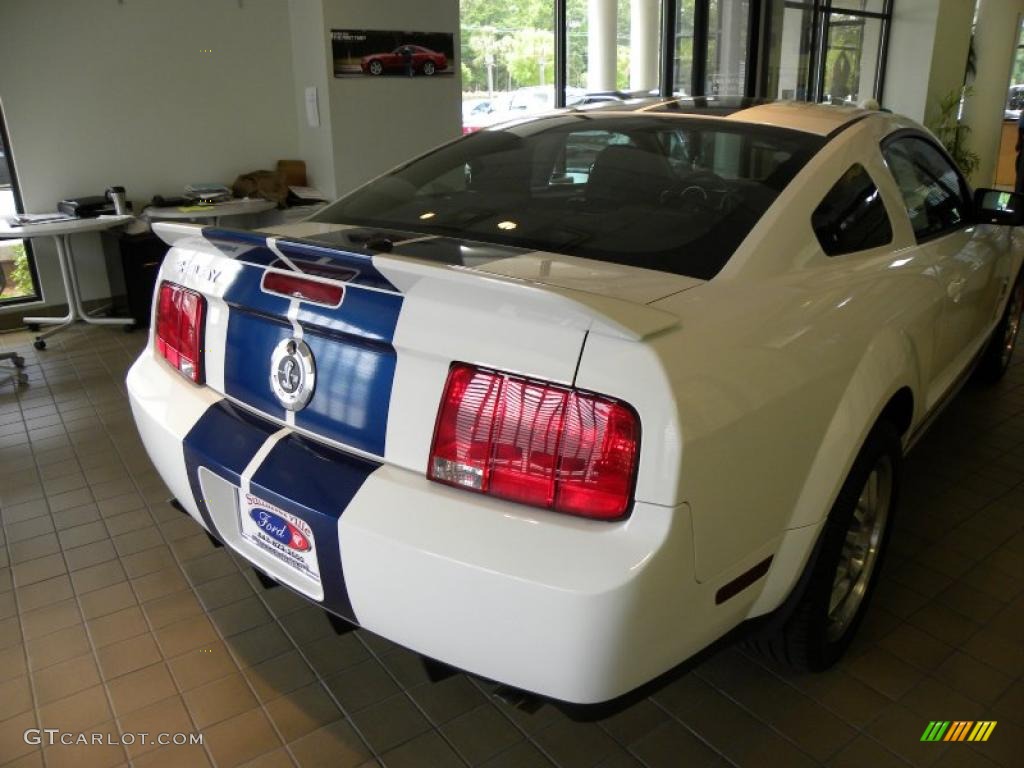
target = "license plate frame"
x: 286, y: 538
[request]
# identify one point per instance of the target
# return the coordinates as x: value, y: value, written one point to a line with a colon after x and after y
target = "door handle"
x: 955, y: 287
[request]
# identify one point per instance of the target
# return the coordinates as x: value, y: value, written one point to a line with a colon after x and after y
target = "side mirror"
x: 993, y: 206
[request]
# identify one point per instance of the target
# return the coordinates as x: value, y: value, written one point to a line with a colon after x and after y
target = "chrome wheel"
x: 428, y: 68
x: 860, y: 550
x: 1012, y: 323
x: 376, y: 68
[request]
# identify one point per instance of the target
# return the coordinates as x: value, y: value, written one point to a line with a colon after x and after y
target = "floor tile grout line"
x: 191, y: 587
x: 24, y: 644
x: 699, y: 736
x: 75, y: 593
x: 405, y: 691
x: 77, y: 596
x: 526, y: 734
x: 320, y: 679
x: 28, y: 663
x: 104, y: 682
x: 859, y: 730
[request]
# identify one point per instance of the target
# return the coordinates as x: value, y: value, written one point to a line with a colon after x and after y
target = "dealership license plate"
x: 283, y: 536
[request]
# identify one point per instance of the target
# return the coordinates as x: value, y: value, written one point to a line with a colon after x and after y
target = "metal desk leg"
x: 69, y: 290
x: 79, y: 309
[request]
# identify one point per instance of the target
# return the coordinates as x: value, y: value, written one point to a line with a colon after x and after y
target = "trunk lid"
x: 382, y: 355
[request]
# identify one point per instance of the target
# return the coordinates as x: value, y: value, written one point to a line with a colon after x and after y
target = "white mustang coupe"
x: 562, y: 402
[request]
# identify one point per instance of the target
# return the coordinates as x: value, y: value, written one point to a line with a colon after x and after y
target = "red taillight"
x: 303, y: 288
x: 536, y: 443
x: 179, y: 329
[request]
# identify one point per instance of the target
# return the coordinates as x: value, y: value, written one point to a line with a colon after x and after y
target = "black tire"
x: 375, y: 68
x: 39, y: 344
x: 996, y: 358
x: 804, y: 635
x: 429, y: 68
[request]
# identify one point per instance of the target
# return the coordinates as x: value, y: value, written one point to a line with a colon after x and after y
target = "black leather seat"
x: 623, y: 174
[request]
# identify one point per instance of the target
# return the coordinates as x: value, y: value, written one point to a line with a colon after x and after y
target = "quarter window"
x: 852, y: 216
x: 932, y: 189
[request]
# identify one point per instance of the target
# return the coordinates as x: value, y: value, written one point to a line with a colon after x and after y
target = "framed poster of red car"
x: 379, y: 53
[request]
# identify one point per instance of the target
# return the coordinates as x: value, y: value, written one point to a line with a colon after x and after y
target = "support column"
x: 928, y: 42
x: 868, y: 59
x: 643, y: 44
x: 732, y: 50
x: 602, y: 23
x: 995, y: 41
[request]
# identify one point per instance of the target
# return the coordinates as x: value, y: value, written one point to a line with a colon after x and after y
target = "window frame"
x: 820, y: 25
x: 881, y: 202
x: 19, y: 206
x: 965, y: 189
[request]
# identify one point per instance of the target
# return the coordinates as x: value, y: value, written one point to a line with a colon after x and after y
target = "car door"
x: 938, y: 203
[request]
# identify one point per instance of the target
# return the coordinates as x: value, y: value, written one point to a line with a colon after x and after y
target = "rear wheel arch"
x: 867, y: 402
x: 817, y: 621
x: 899, y: 411
x: 881, y: 387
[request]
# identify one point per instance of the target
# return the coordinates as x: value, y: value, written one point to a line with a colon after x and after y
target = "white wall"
x: 99, y: 92
x: 378, y: 122
x: 311, y: 62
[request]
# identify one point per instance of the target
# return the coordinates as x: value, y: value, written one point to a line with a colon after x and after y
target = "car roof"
x: 820, y: 119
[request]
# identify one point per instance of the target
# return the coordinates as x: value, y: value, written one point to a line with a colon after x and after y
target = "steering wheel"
x: 695, y: 189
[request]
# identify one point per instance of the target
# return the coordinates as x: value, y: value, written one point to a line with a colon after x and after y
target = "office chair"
x: 6, y: 374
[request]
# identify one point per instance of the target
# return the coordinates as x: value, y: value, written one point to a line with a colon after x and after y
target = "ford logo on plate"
x: 279, y: 529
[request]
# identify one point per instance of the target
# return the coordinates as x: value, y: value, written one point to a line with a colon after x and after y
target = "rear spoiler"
x: 442, y: 282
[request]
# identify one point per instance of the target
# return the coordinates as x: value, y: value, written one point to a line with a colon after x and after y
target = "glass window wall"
x: 813, y: 50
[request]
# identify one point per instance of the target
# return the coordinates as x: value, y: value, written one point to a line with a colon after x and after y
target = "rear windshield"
x: 673, y: 194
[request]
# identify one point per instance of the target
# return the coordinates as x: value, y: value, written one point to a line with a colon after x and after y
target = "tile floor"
x: 117, y: 615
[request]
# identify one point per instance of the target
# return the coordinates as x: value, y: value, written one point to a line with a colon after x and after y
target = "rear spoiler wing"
x: 410, y: 276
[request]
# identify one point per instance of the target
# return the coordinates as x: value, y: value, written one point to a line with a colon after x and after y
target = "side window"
x: 852, y: 216
x: 930, y: 185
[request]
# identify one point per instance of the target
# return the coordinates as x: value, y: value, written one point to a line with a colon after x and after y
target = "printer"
x: 87, y: 207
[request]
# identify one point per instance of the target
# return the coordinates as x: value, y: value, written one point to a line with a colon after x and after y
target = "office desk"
x: 217, y: 211
x: 61, y: 232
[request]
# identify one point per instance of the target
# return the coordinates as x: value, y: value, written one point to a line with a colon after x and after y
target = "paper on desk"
x: 19, y: 219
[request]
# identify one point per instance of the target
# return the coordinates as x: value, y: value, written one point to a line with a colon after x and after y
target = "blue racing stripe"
x: 315, y: 483
x: 225, y: 437
x: 351, y: 344
x: 250, y: 340
x: 309, y: 480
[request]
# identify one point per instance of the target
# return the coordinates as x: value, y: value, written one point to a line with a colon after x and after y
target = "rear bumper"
x: 568, y: 608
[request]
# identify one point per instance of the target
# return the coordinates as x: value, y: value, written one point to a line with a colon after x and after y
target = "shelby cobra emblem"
x: 292, y: 373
